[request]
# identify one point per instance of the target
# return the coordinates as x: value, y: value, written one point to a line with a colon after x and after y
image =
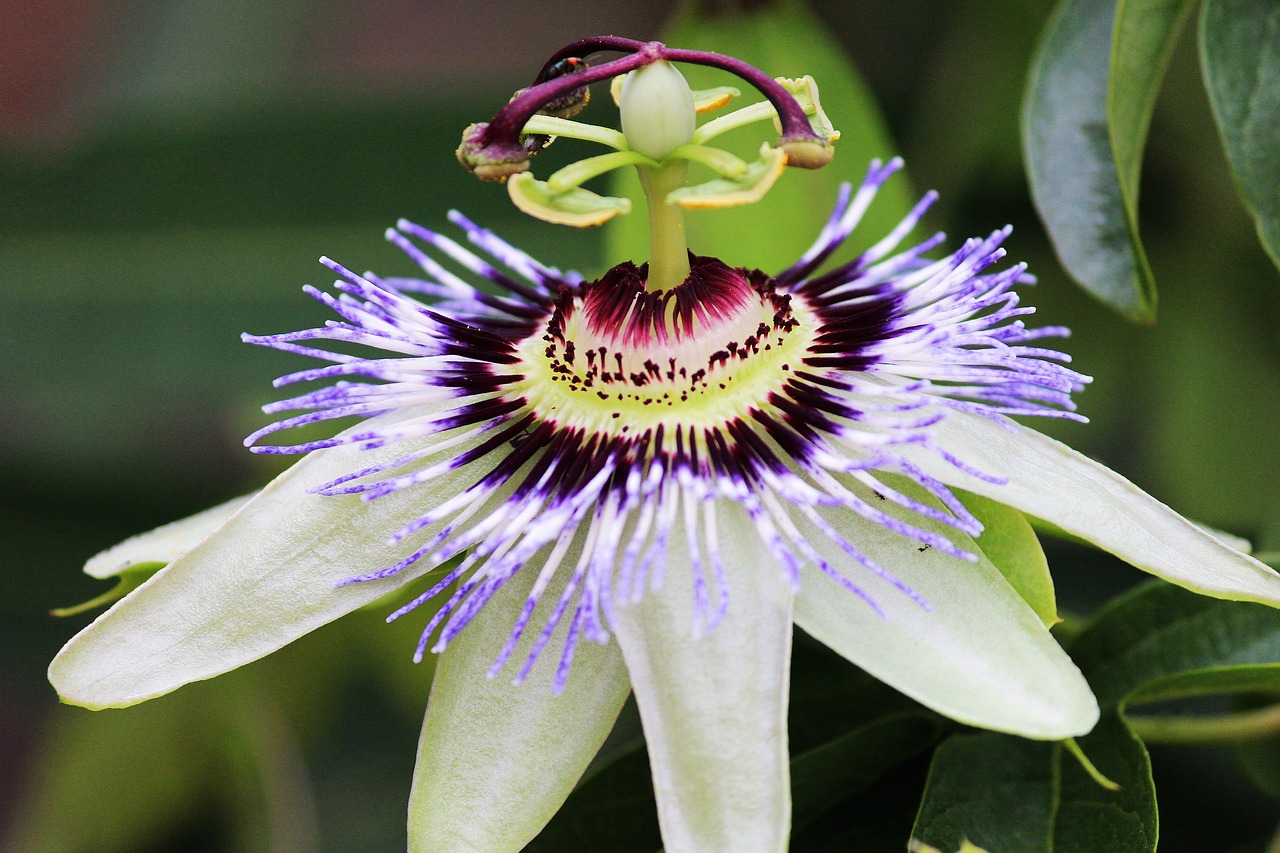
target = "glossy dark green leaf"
x: 1086, y: 193
x: 783, y: 39
x: 849, y: 764
x: 1092, y: 818
x: 995, y: 790
x: 1240, y: 56
x: 1161, y: 641
x: 1157, y: 643
x: 1260, y: 759
x: 1007, y: 793
x: 1142, y: 42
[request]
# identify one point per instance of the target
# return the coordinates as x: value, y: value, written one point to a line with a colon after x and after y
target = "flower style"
x: 641, y: 482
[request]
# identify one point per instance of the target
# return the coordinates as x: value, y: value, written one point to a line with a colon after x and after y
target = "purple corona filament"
x: 597, y: 423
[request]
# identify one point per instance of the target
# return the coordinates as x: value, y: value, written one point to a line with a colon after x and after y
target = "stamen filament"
x: 576, y: 174
x: 741, y: 117
x: 718, y: 160
x: 570, y: 129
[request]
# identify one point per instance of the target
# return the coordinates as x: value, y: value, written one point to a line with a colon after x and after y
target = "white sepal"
x: 1048, y: 480
x: 976, y: 653
x: 714, y: 708
x: 262, y: 579
x: 497, y: 760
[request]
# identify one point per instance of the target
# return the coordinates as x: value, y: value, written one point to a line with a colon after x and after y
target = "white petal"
x: 715, y: 708
x: 1051, y: 481
x: 164, y: 544
x: 261, y: 580
x: 496, y: 760
x: 979, y: 654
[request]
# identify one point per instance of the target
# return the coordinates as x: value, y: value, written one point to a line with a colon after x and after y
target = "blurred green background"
x: 169, y: 172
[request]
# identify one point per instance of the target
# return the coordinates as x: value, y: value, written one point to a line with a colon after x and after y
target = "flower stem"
x: 668, y: 250
x: 1088, y: 766
x: 1225, y: 728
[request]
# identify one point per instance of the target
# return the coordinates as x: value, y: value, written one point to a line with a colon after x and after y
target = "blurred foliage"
x: 1089, y: 104
x: 133, y: 254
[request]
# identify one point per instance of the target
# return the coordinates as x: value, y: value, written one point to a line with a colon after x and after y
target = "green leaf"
x: 781, y: 38
x: 1157, y: 643
x: 1161, y: 641
x: 1240, y: 56
x: 994, y: 790
x: 1088, y: 92
x: 1142, y: 43
x: 1005, y: 793
x: 1092, y: 818
x: 847, y: 730
x: 849, y: 764
x: 1011, y: 545
x: 1260, y: 759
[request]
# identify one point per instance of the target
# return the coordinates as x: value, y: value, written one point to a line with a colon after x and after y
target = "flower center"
x: 617, y: 358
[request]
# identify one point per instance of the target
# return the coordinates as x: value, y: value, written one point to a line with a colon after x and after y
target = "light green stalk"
x: 668, y: 249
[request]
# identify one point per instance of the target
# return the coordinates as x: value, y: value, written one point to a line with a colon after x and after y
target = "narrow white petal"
x: 164, y: 544
x: 497, y: 760
x: 1051, y: 481
x: 715, y: 708
x: 978, y: 653
x: 264, y: 578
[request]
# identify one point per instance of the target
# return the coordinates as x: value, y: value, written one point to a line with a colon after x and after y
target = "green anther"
x: 747, y: 188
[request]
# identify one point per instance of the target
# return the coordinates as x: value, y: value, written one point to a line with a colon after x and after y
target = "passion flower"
x: 655, y: 474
